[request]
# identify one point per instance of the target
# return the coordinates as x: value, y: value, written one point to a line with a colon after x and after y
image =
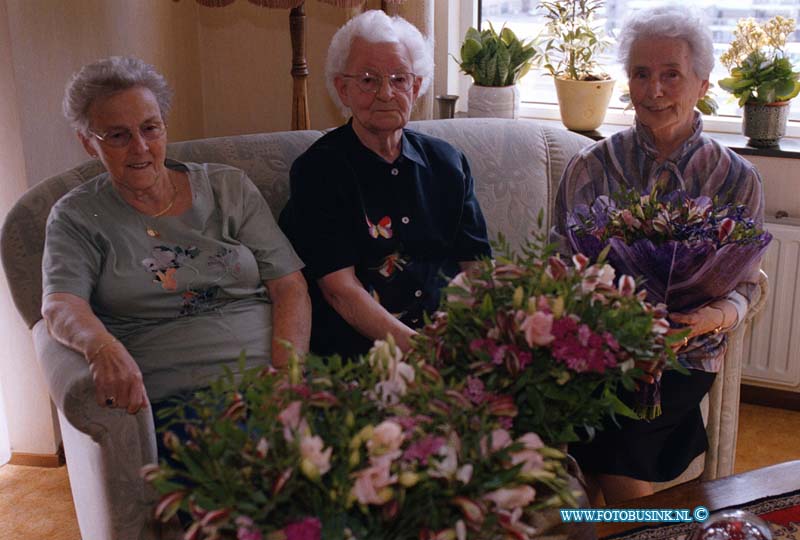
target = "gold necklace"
x: 151, y: 232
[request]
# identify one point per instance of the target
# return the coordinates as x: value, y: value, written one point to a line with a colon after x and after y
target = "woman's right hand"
x: 117, y: 378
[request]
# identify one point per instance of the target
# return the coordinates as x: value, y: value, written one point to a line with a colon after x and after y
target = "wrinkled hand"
x: 116, y: 375
x: 652, y: 371
x: 704, y: 320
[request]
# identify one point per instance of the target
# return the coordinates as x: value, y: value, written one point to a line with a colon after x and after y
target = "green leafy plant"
x: 493, y: 59
x: 760, y: 71
x: 363, y: 449
x: 572, y: 40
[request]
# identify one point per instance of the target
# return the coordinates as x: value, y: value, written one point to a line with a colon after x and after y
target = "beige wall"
x: 27, y: 406
x: 781, y: 178
x: 229, y: 67
x: 246, y: 59
x: 50, y: 39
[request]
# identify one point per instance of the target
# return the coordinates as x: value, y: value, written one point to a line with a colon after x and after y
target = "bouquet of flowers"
x: 562, y: 341
x: 354, y: 450
x: 687, y: 251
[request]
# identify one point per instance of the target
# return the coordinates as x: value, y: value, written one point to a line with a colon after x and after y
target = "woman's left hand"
x: 716, y: 317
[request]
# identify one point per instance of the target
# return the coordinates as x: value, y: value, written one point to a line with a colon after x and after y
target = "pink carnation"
x: 308, y: 529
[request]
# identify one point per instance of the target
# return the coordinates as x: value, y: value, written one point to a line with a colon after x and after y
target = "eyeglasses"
x: 121, y: 137
x: 372, y: 82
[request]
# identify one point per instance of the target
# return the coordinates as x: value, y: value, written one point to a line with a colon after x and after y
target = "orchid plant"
x: 379, y: 448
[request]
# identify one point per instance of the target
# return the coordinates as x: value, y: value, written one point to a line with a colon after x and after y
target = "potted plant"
x: 762, y: 77
x: 570, y: 44
x: 495, y: 62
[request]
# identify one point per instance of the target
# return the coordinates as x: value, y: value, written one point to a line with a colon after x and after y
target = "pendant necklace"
x: 152, y: 232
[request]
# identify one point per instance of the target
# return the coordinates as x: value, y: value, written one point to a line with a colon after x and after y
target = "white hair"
x: 375, y: 26
x: 107, y: 77
x: 678, y: 22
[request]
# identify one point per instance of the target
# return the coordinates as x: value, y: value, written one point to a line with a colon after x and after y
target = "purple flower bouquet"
x: 686, y: 251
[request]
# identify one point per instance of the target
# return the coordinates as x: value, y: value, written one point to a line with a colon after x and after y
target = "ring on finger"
x: 685, y: 341
x: 110, y: 401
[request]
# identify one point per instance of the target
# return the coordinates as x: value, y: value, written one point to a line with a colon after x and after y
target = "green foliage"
x: 756, y: 58
x: 270, y: 450
x: 493, y: 59
x: 761, y: 79
x: 572, y: 40
x: 511, y: 325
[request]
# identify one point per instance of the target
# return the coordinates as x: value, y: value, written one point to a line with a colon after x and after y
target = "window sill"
x: 789, y: 147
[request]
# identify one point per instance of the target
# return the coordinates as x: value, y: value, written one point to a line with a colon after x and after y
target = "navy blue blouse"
x: 403, y: 226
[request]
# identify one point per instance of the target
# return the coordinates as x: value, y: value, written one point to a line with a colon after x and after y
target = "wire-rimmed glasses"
x: 121, y: 137
x: 372, y: 82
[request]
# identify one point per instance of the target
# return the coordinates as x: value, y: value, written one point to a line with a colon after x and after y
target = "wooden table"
x: 721, y: 493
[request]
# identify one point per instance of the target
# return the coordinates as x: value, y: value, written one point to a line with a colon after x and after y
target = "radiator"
x: 772, y: 343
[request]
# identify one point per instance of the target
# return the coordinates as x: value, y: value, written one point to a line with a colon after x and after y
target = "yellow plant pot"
x: 583, y: 104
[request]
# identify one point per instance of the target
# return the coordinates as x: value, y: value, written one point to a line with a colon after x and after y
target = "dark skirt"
x: 658, y: 450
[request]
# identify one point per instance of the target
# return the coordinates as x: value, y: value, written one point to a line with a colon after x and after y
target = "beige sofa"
x: 516, y: 165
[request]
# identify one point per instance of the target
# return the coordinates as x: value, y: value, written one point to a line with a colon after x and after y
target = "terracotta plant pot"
x: 764, y: 125
x: 583, y: 104
x: 493, y: 101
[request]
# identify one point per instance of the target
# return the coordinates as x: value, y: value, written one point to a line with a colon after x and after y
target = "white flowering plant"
x: 378, y: 448
x: 761, y: 72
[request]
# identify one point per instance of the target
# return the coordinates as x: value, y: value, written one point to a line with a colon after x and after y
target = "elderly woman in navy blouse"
x: 378, y: 212
x: 668, y: 55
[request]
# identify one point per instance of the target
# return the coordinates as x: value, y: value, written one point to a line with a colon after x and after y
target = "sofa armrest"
x: 105, y: 448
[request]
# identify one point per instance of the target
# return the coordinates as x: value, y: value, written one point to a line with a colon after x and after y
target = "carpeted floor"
x: 36, y: 504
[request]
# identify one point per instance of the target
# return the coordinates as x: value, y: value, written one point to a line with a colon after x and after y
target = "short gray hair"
x: 375, y: 26
x: 109, y: 76
x: 669, y: 22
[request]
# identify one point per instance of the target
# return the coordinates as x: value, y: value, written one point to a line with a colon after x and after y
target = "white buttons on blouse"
x: 394, y: 171
x: 405, y: 220
x: 417, y: 293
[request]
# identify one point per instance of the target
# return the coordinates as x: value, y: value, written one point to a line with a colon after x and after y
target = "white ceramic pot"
x: 583, y: 104
x: 493, y: 101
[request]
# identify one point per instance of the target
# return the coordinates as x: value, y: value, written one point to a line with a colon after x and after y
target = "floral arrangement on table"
x: 379, y: 448
x: 760, y: 70
x: 688, y: 251
x: 561, y: 340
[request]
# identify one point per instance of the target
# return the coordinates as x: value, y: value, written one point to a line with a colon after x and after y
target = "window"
x: 538, y: 92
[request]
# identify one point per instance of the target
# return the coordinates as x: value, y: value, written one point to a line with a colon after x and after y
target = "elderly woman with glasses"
x: 668, y: 55
x: 379, y: 213
x: 159, y: 272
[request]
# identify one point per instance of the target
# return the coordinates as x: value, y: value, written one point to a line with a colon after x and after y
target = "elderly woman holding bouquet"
x: 668, y: 56
x: 379, y: 213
